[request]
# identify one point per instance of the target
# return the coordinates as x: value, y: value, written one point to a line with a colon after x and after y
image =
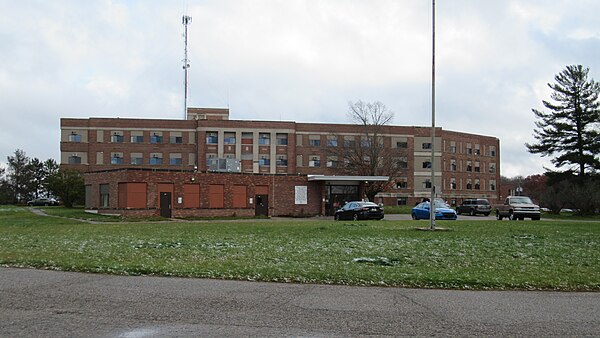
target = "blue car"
x: 442, y: 211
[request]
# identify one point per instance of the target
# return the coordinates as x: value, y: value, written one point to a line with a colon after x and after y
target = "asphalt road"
x: 64, y: 304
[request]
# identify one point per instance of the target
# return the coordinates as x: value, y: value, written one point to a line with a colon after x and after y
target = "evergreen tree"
x: 569, y: 130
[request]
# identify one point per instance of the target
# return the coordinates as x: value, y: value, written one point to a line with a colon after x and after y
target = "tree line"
x: 25, y: 179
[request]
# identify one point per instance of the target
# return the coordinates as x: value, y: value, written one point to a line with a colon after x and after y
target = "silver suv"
x: 474, y: 206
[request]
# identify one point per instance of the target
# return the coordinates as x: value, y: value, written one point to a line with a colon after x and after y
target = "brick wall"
x: 281, y: 192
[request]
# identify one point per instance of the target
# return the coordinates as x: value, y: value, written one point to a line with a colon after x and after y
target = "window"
x: 332, y: 141
x: 492, y: 151
x: 314, y: 140
x: 282, y: 139
x: 315, y: 161
x: 477, y: 167
x: 453, y: 165
x: 365, y: 143
x: 453, y: 184
x: 264, y: 139
x: 426, y: 165
x: 137, y: 158
x: 117, y: 137
x: 469, y: 167
x: 332, y: 162
x: 156, y: 159
x: 492, y: 168
x: 175, y: 138
x: 477, y: 151
x: 137, y: 138
x: 299, y: 161
x: 212, y: 137
x: 477, y: 185
x: 282, y: 160
x: 469, y: 185
x: 402, y: 163
x: 401, y: 184
x: 175, y: 159
x: 401, y: 201
x: 402, y: 144
x: 74, y: 137
x: 229, y: 138
x: 116, y: 158
x: 426, y: 145
x: 492, y: 185
x: 427, y: 184
x: 104, y: 196
x: 452, y: 147
x: 349, y: 142
x: 264, y: 161
x: 74, y: 159
x: 156, y: 138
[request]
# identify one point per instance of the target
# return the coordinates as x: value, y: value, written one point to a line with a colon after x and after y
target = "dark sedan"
x: 359, y: 210
x: 442, y: 211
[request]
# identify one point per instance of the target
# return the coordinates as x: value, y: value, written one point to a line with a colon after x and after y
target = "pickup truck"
x: 517, y: 208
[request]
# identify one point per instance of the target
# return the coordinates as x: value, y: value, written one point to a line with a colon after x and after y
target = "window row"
x: 134, y: 137
x: 471, y: 166
x: 212, y: 137
x: 471, y: 149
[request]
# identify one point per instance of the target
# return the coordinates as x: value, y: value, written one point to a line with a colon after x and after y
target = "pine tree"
x: 570, y: 130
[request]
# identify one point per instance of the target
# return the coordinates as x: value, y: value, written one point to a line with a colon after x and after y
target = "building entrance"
x: 337, y: 195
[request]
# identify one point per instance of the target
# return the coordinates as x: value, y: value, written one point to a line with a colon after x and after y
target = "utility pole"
x: 186, y: 20
x: 431, y: 201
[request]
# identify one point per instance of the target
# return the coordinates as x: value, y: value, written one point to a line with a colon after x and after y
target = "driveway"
x: 67, y: 304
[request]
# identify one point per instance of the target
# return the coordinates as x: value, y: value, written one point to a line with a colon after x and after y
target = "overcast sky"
x: 298, y: 60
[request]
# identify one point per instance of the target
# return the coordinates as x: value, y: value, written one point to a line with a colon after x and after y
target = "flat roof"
x: 347, y: 178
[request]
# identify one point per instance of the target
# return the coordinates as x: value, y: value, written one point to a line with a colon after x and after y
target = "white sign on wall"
x: 301, y: 194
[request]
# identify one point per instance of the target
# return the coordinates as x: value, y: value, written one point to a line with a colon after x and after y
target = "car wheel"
x: 336, y: 217
x: 511, y: 216
x: 414, y: 216
x: 535, y: 218
x: 472, y: 213
x: 457, y: 211
x: 498, y: 216
x: 486, y: 214
x: 45, y: 204
x: 355, y: 217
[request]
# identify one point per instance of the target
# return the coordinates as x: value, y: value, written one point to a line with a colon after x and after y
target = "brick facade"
x: 467, y: 165
x: 280, y: 190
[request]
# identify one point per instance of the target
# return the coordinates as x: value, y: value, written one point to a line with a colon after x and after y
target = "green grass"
x: 545, y: 255
x: 398, y: 209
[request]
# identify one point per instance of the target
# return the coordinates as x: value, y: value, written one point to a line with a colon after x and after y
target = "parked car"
x: 42, y: 201
x: 442, y: 211
x: 517, y: 208
x: 359, y: 210
x: 474, y: 206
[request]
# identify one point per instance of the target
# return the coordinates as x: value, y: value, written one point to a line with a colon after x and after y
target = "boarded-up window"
x: 239, y: 196
x: 215, y: 196
x: 132, y: 195
x: 191, y: 196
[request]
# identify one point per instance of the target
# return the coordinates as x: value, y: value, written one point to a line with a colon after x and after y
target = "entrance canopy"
x: 349, y: 180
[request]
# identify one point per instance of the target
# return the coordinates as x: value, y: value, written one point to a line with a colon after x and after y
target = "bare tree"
x: 370, y: 155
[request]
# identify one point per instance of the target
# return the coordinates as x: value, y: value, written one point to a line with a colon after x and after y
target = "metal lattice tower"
x: 186, y: 20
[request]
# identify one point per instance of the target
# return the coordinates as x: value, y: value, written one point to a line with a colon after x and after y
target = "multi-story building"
x: 466, y: 165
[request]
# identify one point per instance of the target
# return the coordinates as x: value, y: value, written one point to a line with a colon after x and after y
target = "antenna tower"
x: 186, y: 20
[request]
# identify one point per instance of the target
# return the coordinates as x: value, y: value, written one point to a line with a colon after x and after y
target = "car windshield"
x: 438, y: 204
x: 521, y: 200
x: 483, y: 202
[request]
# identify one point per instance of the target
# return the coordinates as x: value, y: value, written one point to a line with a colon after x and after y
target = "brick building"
x: 259, y: 159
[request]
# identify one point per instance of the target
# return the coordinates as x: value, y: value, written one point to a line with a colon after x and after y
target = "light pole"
x: 431, y: 201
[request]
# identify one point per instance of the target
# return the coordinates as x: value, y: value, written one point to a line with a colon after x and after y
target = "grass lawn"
x: 552, y: 255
